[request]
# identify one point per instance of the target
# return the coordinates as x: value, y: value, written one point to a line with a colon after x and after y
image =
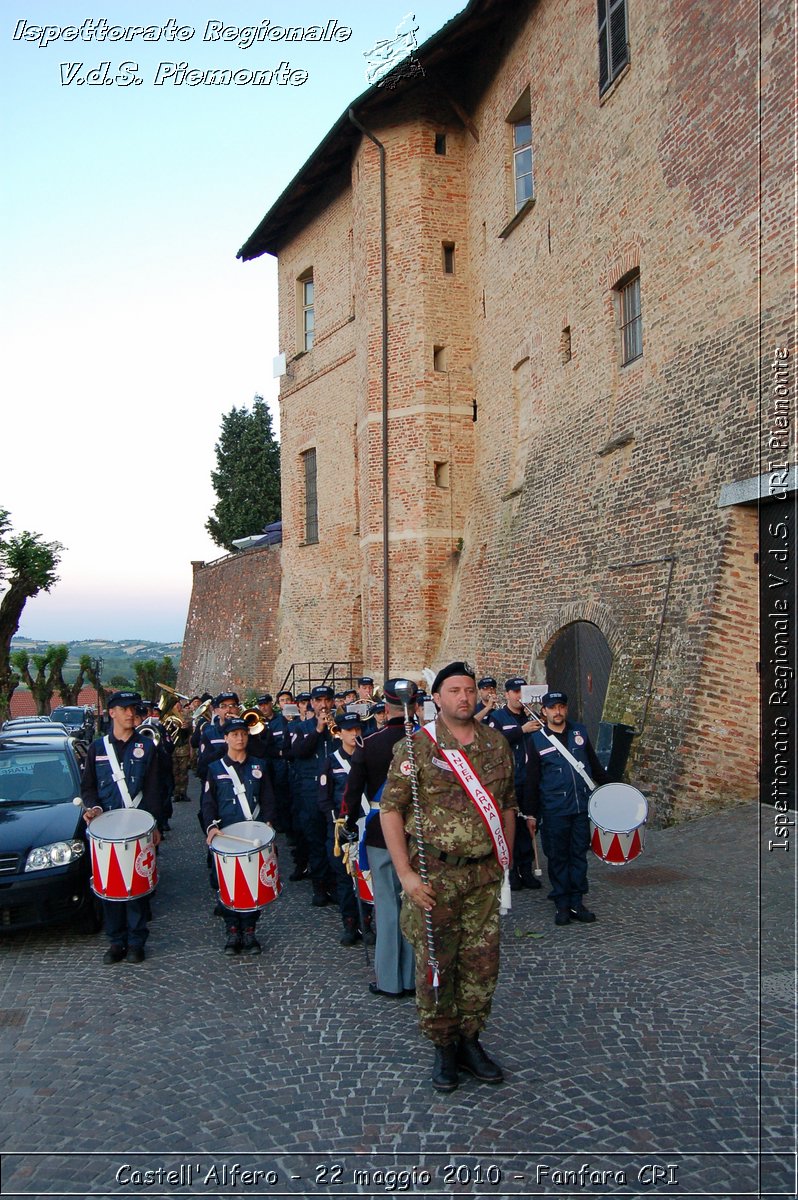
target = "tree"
x: 27, y: 566
x: 150, y: 673
x: 247, y: 476
x: 48, y: 678
x: 70, y: 691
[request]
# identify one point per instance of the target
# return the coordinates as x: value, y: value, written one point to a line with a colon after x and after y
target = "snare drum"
x: 618, y: 814
x: 124, y: 865
x: 246, y: 866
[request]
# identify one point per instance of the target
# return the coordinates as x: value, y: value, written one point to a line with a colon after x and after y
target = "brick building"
x: 542, y: 415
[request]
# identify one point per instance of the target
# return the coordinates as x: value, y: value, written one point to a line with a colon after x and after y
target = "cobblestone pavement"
x: 651, y: 1053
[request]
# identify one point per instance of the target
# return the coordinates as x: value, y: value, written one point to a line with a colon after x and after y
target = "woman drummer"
x: 237, y: 788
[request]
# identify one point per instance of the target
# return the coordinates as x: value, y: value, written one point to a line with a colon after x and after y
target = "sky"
x: 129, y: 328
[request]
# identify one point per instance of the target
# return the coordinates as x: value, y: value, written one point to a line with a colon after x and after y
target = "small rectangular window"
x: 631, y: 318
x: 440, y: 143
x: 522, y: 162
x: 613, y: 42
x: 448, y: 258
x: 439, y: 358
x: 441, y: 474
x: 565, y: 345
x: 305, y: 305
x: 311, y: 497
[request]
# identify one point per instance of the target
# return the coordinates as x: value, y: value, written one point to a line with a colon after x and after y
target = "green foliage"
x: 151, y: 672
x: 28, y: 565
x: 247, y: 476
x: 121, y: 683
x: 48, y: 678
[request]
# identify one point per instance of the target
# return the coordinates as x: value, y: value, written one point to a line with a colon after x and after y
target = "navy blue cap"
x: 552, y: 698
x: 220, y: 699
x: 265, y: 699
x: 455, y: 668
x: 378, y: 707
x: 515, y: 684
x: 487, y: 681
x: 322, y: 692
x: 123, y: 699
x: 233, y: 724
x: 349, y: 721
x: 365, y: 679
x: 303, y: 696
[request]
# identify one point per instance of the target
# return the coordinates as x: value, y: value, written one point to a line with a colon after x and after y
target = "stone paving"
x: 649, y: 1054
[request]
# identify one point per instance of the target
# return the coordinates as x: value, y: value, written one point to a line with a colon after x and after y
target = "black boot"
x: 444, y: 1071
x: 233, y: 943
x: 249, y: 943
x: 351, y: 934
x: 320, y: 896
x: 472, y: 1058
x: 369, y: 936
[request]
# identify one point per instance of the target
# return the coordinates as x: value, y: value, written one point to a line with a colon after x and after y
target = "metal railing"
x: 302, y: 677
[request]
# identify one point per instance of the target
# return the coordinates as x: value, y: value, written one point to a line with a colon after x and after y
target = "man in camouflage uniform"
x: 462, y: 895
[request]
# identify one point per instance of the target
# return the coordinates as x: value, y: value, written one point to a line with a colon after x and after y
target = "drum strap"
x: 566, y: 753
x: 119, y: 777
x: 250, y: 814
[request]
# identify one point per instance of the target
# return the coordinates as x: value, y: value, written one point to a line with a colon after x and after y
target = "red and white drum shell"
x: 246, y: 869
x: 618, y: 813
x: 363, y: 881
x: 124, y: 865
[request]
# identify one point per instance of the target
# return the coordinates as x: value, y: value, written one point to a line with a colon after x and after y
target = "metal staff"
x: 405, y: 691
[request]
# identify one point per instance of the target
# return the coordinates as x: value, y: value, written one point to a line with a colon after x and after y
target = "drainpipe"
x: 648, y: 562
x: 384, y: 289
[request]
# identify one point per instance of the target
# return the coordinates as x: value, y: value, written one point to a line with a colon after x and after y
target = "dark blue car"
x: 44, y: 857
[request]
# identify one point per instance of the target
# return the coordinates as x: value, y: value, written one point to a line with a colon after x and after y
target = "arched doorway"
x: 578, y: 663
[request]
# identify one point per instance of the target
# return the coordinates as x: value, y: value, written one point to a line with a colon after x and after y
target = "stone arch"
x: 592, y: 611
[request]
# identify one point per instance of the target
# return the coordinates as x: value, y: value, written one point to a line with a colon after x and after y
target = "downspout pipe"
x: 386, y: 657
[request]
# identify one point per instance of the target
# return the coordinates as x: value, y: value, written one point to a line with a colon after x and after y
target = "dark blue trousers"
x: 566, y: 841
x: 126, y: 922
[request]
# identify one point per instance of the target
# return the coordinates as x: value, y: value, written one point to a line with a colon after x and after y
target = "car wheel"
x: 90, y: 918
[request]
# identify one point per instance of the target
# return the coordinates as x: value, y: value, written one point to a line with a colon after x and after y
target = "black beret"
x: 455, y: 668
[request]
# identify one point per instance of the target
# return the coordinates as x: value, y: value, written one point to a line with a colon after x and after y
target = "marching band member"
x: 182, y: 751
x: 237, y: 788
x: 332, y: 785
x: 488, y: 700
x: 311, y: 743
x: 121, y: 772
x: 557, y: 795
x: 512, y: 721
x: 468, y: 817
x: 394, y: 961
x: 211, y: 741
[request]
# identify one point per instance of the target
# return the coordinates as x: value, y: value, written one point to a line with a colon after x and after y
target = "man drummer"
x: 237, y: 788
x: 121, y: 772
x: 556, y: 795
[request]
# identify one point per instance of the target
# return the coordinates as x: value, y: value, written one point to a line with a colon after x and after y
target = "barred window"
x: 613, y: 40
x: 630, y: 317
x: 311, y: 497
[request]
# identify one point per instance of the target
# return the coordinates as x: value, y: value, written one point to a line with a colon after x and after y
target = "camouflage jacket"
x: 451, y: 820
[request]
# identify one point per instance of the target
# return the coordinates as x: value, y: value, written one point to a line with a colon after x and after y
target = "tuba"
x: 201, y: 715
x: 174, y: 725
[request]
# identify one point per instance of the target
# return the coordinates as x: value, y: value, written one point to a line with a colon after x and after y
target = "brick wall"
x: 586, y: 489
x: 230, y: 639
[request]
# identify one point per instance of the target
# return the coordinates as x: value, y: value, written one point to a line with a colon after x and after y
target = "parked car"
x: 78, y: 719
x: 44, y: 858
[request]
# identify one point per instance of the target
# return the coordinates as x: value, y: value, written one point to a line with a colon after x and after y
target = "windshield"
x: 69, y: 716
x: 30, y: 776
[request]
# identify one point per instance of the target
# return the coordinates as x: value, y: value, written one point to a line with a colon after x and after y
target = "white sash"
x: 569, y: 758
x: 241, y: 795
x: 119, y: 777
x: 486, y: 807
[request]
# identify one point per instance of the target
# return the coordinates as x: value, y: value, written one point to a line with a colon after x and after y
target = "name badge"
x: 438, y: 762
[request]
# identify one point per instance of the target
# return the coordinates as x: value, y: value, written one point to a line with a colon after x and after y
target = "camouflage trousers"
x: 465, y: 926
x: 180, y: 768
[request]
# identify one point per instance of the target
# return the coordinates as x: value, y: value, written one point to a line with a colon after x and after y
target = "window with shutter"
x: 613, y: 40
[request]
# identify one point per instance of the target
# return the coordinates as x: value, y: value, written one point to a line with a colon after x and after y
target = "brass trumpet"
x: 149, y: 729
x: 254, y: 720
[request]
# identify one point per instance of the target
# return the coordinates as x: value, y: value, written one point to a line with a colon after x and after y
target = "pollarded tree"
x: 48, y: 678
x: 247, y: 475
x: 150, y: 673
x: 28, y: 565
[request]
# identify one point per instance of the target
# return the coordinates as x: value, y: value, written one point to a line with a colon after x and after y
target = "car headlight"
x: 58, y: 854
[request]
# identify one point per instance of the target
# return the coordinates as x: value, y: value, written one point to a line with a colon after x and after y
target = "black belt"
x: 455, y: 860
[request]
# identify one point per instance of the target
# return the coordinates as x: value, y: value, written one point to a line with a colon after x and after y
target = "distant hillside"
x: 118, y: 657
